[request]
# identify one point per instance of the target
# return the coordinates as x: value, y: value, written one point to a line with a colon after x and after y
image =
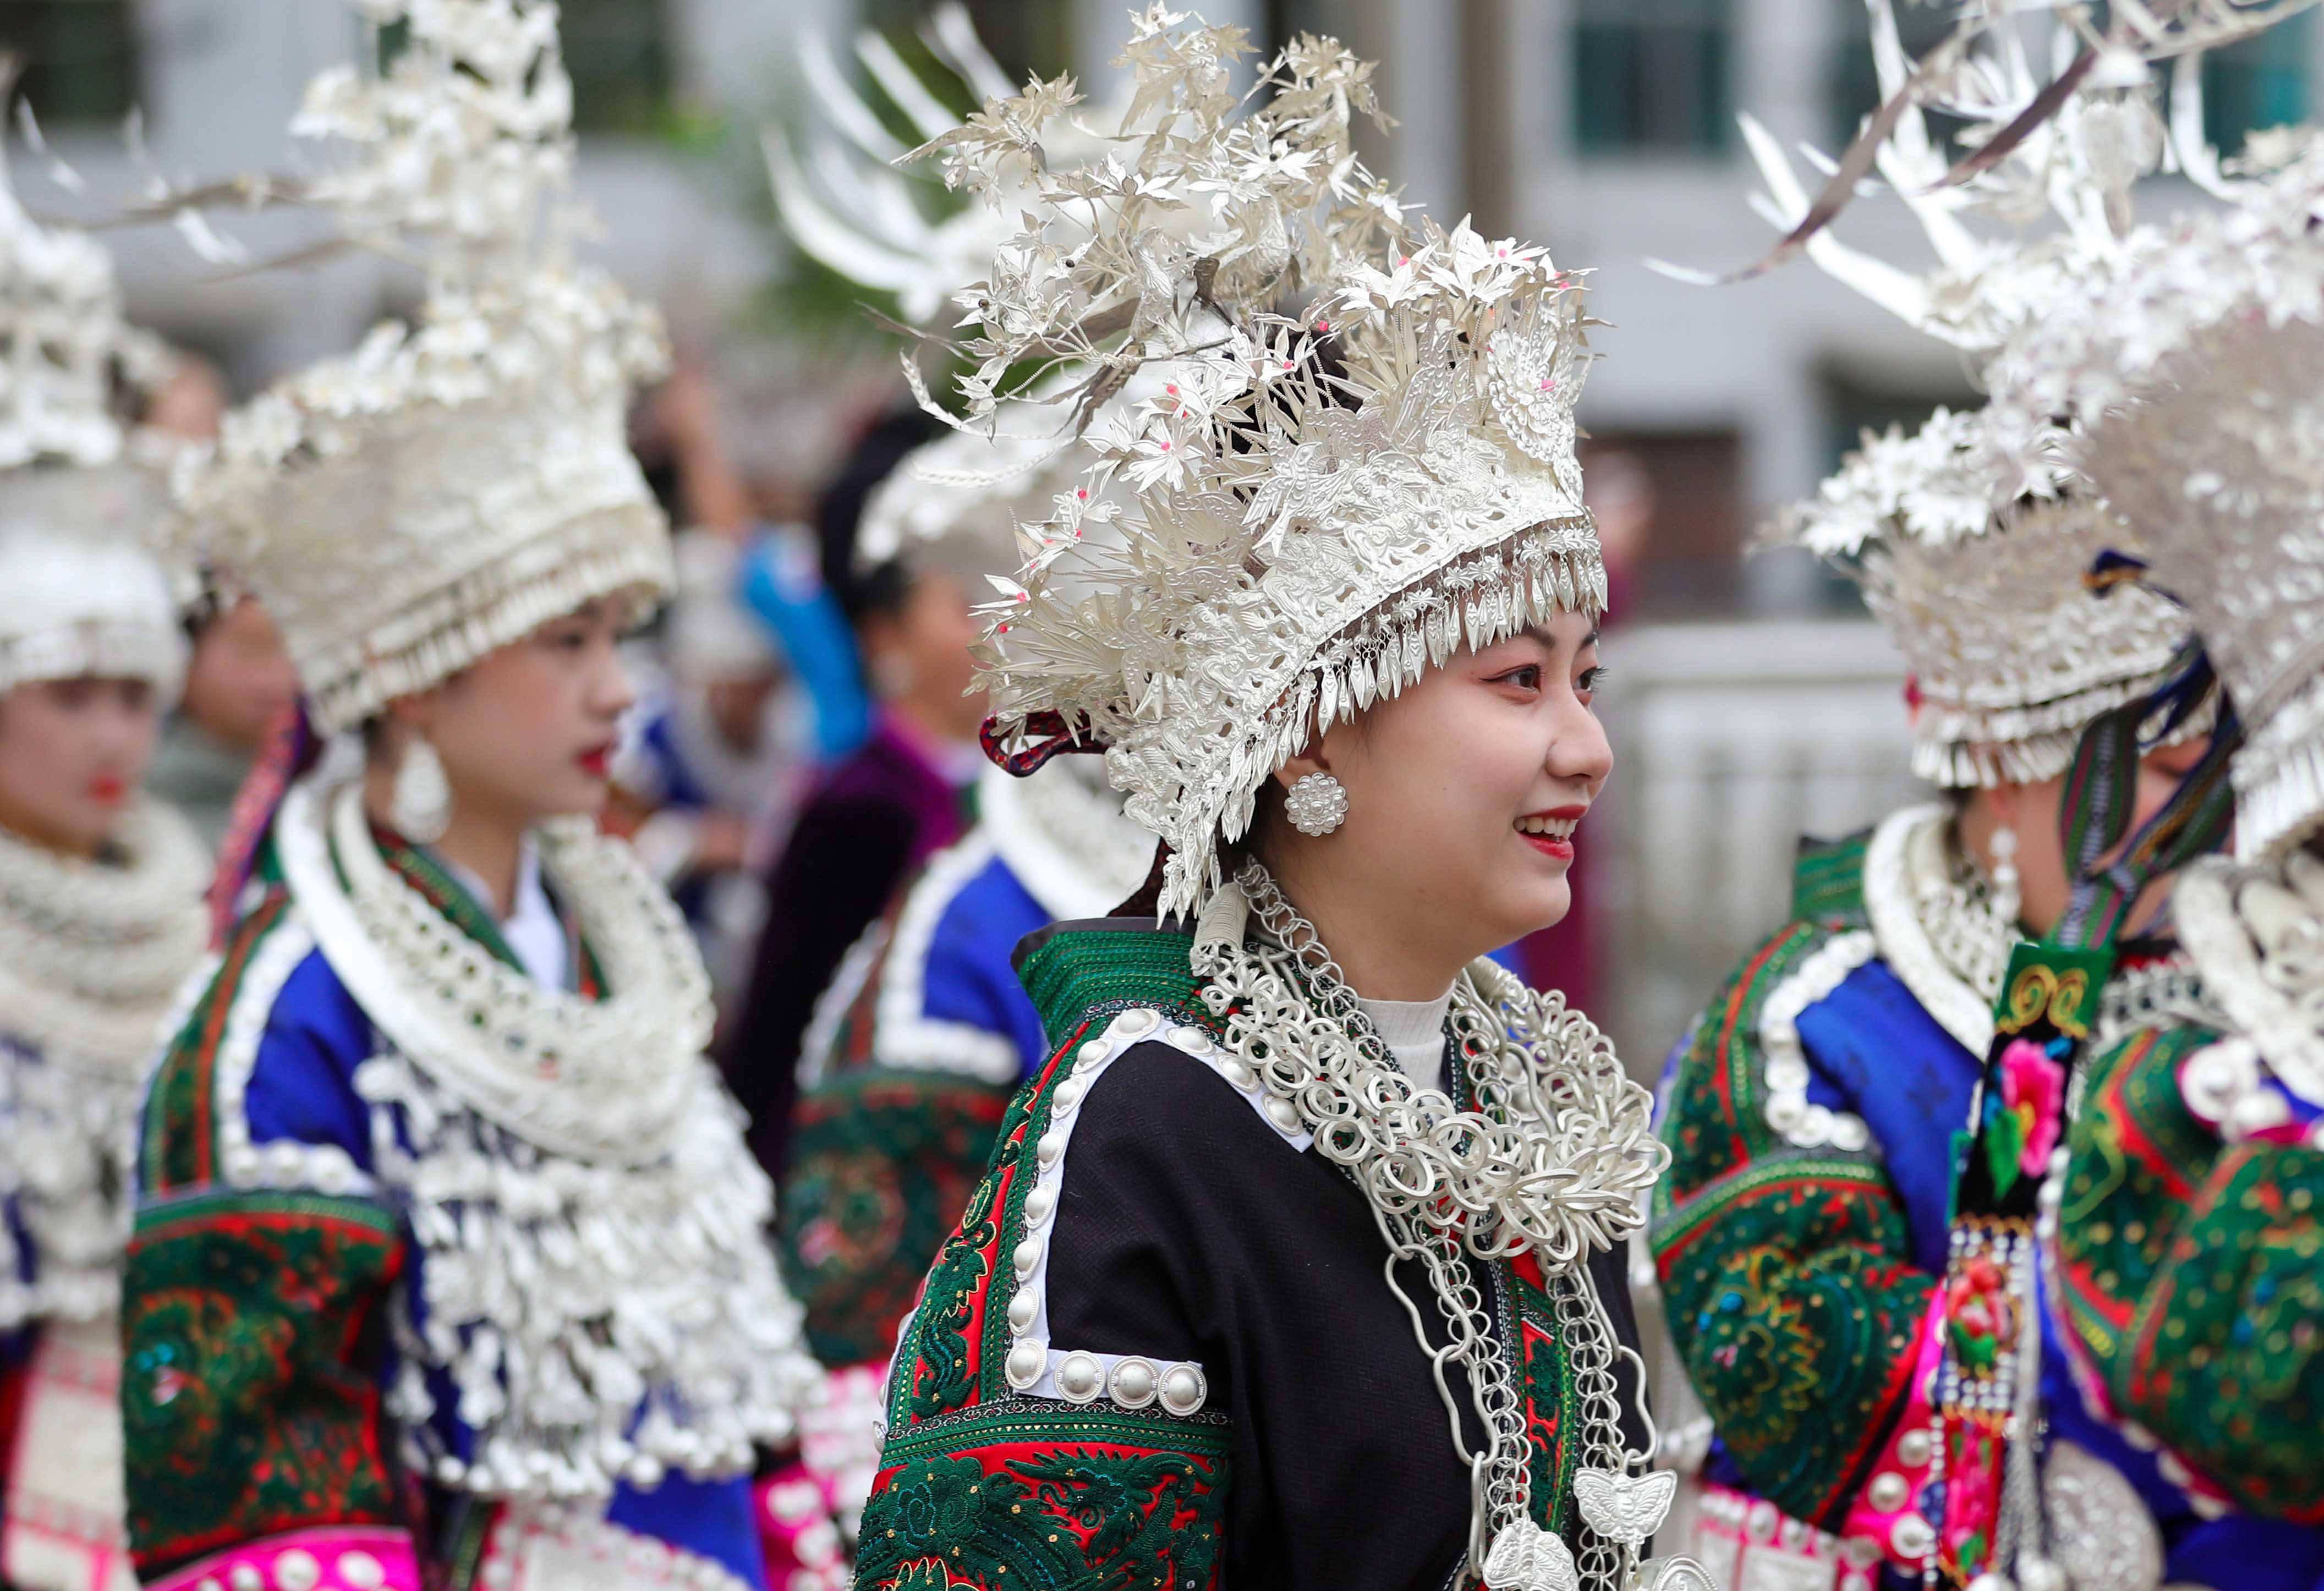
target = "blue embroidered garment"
x: 1763, y: 1243
x: 305, y: 1257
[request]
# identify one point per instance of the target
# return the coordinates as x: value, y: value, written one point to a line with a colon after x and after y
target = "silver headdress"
x: 955, y: 503
x: 1298, y: 542
x: 455, y: 483
x: 844, y: 203
x: 80, y: 591
x: 1973, y: 555
x: 2192, y: 378
x: 2011, y: 654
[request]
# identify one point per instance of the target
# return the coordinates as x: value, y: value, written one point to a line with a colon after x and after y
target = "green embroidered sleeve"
x: 249, y: 1395
x: 252, y: 1316
x: 1785, y: 1272
x: 2193, y: 1275
x: 982, y: 1488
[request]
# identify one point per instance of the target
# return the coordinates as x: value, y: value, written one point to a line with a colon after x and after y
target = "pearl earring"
x: 1317, y: 805
x: 420, y: 804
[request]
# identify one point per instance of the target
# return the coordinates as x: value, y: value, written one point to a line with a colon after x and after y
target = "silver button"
x: 1134, y: 1383
x: 1184, y: 1389
x: 1079, y: 1377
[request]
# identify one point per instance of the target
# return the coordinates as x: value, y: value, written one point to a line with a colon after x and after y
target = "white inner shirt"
x: 1413, y: 1031
x: 533, y: 930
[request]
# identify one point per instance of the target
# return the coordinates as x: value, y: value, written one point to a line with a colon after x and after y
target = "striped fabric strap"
x: 2101, y: 797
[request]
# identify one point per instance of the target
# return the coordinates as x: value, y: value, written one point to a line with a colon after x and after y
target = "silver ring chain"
x: 1551, y: 1163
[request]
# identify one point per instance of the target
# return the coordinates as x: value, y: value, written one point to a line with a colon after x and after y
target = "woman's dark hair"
x: 839, y: 515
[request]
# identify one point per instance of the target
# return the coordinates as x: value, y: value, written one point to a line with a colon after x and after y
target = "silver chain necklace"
x: 1553, y: 1161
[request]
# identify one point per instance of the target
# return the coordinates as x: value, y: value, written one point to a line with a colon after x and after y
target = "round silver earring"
x: 1317, y: 805
x: 421, y: 807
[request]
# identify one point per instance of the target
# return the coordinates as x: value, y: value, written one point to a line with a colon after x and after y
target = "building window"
x: 1652, y: 75
x: 621, y: 59
x: 79, y: 57
x: 2259, y: 83
x: 1852, y: 85
x: 619, y: 54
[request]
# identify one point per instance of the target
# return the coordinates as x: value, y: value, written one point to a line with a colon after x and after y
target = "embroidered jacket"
x: 282, y: 1361
x: 866, y: 829
x: 2188, y: 1251
x: 1812, y: 1116
x: 1224, y: 1373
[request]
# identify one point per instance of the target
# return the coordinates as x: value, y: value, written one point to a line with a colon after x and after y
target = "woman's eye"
x: 1528, y: 678
x: 1591, y: 678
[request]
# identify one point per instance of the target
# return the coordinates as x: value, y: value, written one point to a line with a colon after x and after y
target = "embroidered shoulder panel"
x: 2192, y: 1277
x: 179, y: 1144
x: 1785, y: 1256
x: 882, y: 1165
x: 249, y: 1394
x: 1827, y: 881
x: 1080, y: 972
x: 1716, y: 1116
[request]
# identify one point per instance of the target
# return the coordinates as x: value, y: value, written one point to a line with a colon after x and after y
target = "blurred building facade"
x: 1603, y: 128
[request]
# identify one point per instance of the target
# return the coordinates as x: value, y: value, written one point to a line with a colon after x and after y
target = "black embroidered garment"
x: 1160, y: 1349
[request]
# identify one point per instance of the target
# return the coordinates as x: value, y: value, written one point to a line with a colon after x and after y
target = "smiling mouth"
x: 1550, y: 832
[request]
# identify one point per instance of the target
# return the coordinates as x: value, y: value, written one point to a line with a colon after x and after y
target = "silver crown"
x: 452, y: 484
x: 1288, y: 543
x: 2011, y: 654
x: 79, y: 506
x: 2194, y: 380
x: 1972, y: 536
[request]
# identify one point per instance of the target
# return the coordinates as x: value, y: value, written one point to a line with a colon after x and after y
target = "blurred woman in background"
x: 101, y: 918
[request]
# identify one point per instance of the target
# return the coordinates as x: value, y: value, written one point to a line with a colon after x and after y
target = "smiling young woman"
x: 451, y: 1266
x: 1297, y: 1263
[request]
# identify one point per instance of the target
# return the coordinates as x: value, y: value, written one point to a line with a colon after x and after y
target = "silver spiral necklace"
x: 1553, y: 1159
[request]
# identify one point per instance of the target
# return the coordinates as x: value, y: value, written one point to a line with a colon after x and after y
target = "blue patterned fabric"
x: 966, y: 976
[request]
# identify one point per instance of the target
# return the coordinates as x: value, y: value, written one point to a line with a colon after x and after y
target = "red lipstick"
x: 109, y: 789
x: 1551, y: 830
x: 596, y: 760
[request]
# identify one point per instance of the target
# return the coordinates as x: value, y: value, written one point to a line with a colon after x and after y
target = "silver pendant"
x: 1526, y: 1558
x: 1623, y: 1508
x: 1674, y: 1574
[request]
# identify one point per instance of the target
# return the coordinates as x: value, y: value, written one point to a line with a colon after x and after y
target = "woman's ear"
x: 415, y: 715
x: 1314, y: 758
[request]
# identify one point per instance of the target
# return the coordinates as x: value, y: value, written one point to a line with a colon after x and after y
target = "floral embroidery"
x: 2022, y: 1126
x: 247, y: 1406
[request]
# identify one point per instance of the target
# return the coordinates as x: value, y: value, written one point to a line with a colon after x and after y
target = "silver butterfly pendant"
x: 1526, y: 1558
x: 1623, y: 1508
